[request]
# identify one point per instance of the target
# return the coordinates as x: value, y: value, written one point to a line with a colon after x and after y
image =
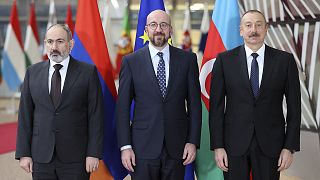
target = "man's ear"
x: 71, y: 44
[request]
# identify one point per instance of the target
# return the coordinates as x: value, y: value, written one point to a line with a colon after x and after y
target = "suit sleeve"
x: 194, y: 102
x: 25, y: 121
x: 293, y: 100
x: 125, y: 96
x: 95, y: 117
x: 217, y: 105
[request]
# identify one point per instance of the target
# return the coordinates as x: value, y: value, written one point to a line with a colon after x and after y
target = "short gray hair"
x: 64, y: 27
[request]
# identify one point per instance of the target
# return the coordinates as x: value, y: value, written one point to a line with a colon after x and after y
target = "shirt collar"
x: 64, y: 62
x: 154, y: 51
x: 260, y: 51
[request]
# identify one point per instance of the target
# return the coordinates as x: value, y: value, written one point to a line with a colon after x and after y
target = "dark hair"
x: 255, y: 11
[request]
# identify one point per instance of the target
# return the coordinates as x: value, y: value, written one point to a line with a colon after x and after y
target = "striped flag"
x: 51, y: 20
x: 31, y: 44
x: 124, y: 44
x: 14, y: 65
x: 107, y: 27
x: 205, y: 23
x: 223, y: 35
x: 186, y: 41
x: 68, y: 20
x: 90, y: 46
x: 204, y: 28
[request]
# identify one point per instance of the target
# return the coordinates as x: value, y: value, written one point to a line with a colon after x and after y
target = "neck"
x: 159, y: 48
x: 254, y: 48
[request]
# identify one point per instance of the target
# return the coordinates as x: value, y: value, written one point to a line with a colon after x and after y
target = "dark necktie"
x: 254, y: 75
x: 161, y: 74
x: 55, y: 92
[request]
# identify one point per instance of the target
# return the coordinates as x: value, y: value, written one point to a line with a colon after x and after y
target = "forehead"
x: 56, y: 33
x: 253, y: 17
x: 158, y: 16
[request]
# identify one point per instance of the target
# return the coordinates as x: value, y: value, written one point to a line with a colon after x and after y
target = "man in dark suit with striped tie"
x: 163, y: 81
x: 248, y: 130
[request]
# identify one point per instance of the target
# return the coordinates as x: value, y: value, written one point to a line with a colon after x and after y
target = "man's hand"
x: 26, y: 164
x: 221, y: 159
x: 285, y: 159
x: 189, y: 153
x: 92, y: 164
x: 128, y: 159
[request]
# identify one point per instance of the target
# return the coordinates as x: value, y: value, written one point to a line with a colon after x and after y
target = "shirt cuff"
x: 125, y: 147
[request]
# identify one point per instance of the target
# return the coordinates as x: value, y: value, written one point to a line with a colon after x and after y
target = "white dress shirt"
x: 155, y: 59
x: 63, y: 71
x: 260, y: 60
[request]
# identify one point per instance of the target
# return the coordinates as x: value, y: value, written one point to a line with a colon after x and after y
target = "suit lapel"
x: 44, y: 82
x: 172, y: 69
x: 71, y: 76
x: 244, y: 69
x: 267, y: 68
x: 147, y: 64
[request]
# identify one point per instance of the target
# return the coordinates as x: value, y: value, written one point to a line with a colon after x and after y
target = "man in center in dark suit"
x: 60, y: 126
x: 247, y: 126
x: 163, y: 81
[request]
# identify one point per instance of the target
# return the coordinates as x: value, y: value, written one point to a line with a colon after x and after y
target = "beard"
x: 57, y: 56
x: 159, y: 39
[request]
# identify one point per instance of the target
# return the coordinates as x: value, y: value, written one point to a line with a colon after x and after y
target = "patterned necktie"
x: 161, y: 74
x: 254, y: 75
x: 55, y: 92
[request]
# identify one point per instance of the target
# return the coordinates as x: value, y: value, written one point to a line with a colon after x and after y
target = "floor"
x: 306, y: 165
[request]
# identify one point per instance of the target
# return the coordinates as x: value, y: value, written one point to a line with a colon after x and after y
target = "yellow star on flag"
x: 144, y: 37
x: 170, y: 41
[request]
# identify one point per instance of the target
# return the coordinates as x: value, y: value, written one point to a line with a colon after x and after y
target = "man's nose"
x: 158, y: 29
x: 54, y: 45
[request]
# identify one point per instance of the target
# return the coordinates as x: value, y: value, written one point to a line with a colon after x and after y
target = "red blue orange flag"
x: 90, y: 46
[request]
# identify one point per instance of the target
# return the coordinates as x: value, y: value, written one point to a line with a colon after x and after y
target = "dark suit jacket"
x: 75, y: 129
x: 174, y: 120
x: 233, y: 122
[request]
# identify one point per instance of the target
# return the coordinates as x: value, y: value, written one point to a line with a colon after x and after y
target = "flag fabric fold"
x: 107, y: 29
x: 186, y: 41
x: 32, y: 41
x: 68, y: 20
x: 223, y: 35
x: 90, y: 46
x: 13, y: 65
x: 124, y: 44
x: 51, y: 20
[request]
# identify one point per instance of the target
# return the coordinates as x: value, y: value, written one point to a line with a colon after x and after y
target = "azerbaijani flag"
x: 223, y: 35
x: 14, y: 62
x: 90, y: 46
x: 31, y: 44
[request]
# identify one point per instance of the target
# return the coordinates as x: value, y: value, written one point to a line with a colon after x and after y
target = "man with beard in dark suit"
x: 163, y: 81
x: 60, y: 126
